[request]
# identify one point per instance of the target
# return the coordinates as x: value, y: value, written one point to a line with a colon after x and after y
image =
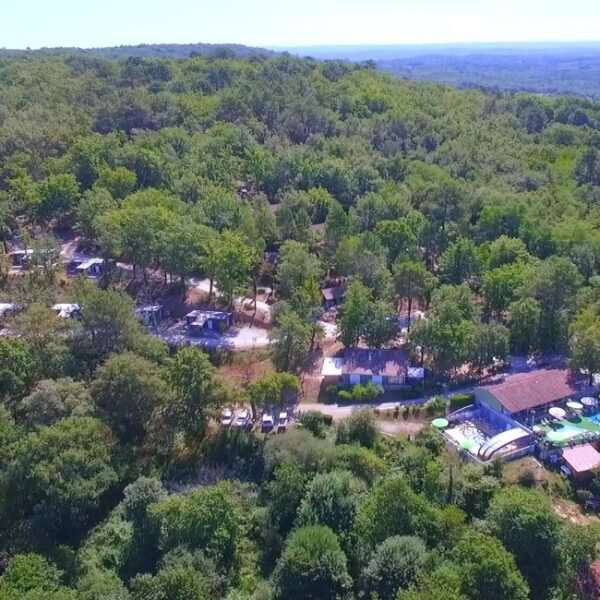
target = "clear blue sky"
x: 88, y: 23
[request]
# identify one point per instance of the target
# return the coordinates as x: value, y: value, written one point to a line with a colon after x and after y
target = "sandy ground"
x: 572, y: 512
x: 236, y: 338
x: 400, y: 426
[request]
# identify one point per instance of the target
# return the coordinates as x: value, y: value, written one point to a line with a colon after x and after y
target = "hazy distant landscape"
x: 542, y: 68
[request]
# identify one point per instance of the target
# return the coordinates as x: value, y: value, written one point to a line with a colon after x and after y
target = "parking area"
x: 270, y: 421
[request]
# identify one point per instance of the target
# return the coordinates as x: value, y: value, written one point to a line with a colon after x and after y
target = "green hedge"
x: 461, y: 400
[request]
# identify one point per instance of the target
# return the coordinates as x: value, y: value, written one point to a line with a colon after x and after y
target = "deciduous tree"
x: 312, y: 566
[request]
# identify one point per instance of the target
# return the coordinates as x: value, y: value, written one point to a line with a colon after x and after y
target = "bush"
x: 583, y: 496
x: 527, y: 478
x: 416, y: 410
x: 431, y: 439
x: 362, y: 393
x: 560, y: 486
x: 437, y: 406
x: 409, y: 394
x: 361, y: 462
x: 461, y: 400
x: 358, y: 428
x: 298, y: 447
x: 315, y: 422
x: 312, y: 565
x: 332, y: 389
x: 394, y: 566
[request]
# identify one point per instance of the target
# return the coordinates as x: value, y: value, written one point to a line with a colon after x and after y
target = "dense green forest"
x: 116, y: 482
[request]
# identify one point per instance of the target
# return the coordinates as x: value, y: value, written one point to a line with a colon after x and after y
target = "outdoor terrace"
x: 568, y: 431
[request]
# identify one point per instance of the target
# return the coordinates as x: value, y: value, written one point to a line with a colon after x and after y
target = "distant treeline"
x: 570, y: 69
x: 559, y: 72
x: 150, y: 50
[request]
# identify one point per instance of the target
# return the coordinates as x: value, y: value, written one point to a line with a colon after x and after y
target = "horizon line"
x: 464, y: 43
x: 324, y: 45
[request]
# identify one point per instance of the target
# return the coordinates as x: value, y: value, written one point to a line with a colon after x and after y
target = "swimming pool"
x: 468, y: 431
x: 594, y: 418
x: 566, y: 433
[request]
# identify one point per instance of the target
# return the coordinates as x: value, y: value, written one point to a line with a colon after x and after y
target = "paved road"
x: 341, y: 411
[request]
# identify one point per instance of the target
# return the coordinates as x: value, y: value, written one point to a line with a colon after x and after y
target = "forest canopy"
x: 116, y: 481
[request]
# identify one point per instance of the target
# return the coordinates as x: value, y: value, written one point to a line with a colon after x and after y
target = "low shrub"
x: 416, y: 410
x: 527, y: 478
x: 461, y: 400
x: 583, y: 496
x: 315, y: 422
x: 409, y: 394
x: 362, y: 393
x: 358, y: 428
x: 436, y: 406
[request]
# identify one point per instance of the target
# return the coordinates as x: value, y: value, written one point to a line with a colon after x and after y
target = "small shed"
x: 582, y: 460
x: 67, y: 311
x: 93, y: 267
x: 200, y: 322
x: 20, y: 258
x: 332, y: 370
x: 333, y: 296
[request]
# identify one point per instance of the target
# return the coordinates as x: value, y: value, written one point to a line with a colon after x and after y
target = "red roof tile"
x: 366, y: 361
x: 582, y: 459
x: 524, y: 391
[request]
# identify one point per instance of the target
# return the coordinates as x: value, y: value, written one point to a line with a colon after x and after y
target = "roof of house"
x: 366, y: 361
x: 332, y: 367
x: 334, y: 293
x: 199, y: 317
x: 90, y: 262
x: 209, y: 314
x: 582, y: 459
x: 524, y: 391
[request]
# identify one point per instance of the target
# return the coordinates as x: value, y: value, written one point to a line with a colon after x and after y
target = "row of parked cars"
x: 243, y: 420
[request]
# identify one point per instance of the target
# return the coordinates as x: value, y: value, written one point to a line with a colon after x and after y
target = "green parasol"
x: 440, y: 423
x: 467, y: 444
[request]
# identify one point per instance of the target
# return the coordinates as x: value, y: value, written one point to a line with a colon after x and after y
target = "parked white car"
x: 267, y: 423
x: 227, y: 417
x: 282, y: 422
x: 243, y: 419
